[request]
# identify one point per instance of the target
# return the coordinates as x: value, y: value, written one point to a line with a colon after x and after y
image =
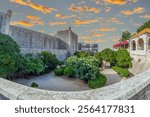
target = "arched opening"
x: 140, y: 44
x: 133, y: 45
x: 149, y: 44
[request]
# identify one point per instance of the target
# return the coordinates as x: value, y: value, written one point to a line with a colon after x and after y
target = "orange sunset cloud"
x: 97, y: 1
x: 60, y: 16
x: 105, y: 29
x: 84, y: 9
x: 88, y: 41
x: 37, y: 7
x: 116, y: 2
x: 113, y: 20
x: 83, y: 22
x: 23, y: 23
x: 94, y: 41
x: 136, y: 10
x: 92, y: 35
x: 35, y: 19
x: 100, y: 40
x: 57, y: 23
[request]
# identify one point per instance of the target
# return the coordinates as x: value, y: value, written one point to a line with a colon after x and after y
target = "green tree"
x: 145, y: 25
x: 126, y: 35
x: 50, y: 61
x: 9, y: 55
x: 98, y: 56
x: 83, y: 54
x: 108, y: 55
x: 33, y: 64
x: 123, y: 58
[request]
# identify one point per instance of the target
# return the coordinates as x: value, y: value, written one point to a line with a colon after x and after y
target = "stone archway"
x: 140, y: 44
x: 133, y: 45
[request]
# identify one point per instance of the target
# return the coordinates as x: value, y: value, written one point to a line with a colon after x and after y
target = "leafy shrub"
x: 83, y: 54
x: 87, y: 68
x: 59, y: 71
x: 76, y: 53
x: 34, y: 85
x: 123, y: 58
x: 98, y: 82
x: 50, y: 61
x: 98, y: 56
x: 9, y: 55
x: 84, y: 68
x: 145, y: 25
x: 121, y: 71
x: 33, y: 64
x: 20, y: 64
x: 71, y: 61
x: 108, y: 55
x: 69, y: 71
x: 61, y: 63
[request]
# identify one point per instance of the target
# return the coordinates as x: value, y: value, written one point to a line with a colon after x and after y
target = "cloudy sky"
x: 95, y: 21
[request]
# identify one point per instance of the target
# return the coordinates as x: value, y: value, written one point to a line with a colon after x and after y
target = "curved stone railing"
x: 137, y: 87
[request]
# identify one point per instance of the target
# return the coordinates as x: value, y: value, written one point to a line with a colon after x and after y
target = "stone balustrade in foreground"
x: 137, y: 87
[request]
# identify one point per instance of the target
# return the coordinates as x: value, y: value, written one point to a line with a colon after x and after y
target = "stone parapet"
x: 136, y: 87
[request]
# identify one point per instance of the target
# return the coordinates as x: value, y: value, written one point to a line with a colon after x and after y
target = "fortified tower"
x: 5, y: 22
x: 70, y: 38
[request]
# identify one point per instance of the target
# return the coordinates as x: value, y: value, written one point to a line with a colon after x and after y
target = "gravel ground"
x: 112, y: 76
x: 55, y: 83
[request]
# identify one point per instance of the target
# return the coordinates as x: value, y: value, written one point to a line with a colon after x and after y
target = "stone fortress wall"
x: 32, y: 41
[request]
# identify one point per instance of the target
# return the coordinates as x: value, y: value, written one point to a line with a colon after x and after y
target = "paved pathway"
x: 112, y: 76
x: 55, y: 83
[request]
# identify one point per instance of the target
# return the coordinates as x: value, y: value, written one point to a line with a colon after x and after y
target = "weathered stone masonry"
x: 135, y: 88
x: 70, y: 38
x: 5, y: 21
x: 32, y: 41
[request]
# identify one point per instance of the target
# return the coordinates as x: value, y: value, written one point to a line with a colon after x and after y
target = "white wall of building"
x: 140, y: 52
